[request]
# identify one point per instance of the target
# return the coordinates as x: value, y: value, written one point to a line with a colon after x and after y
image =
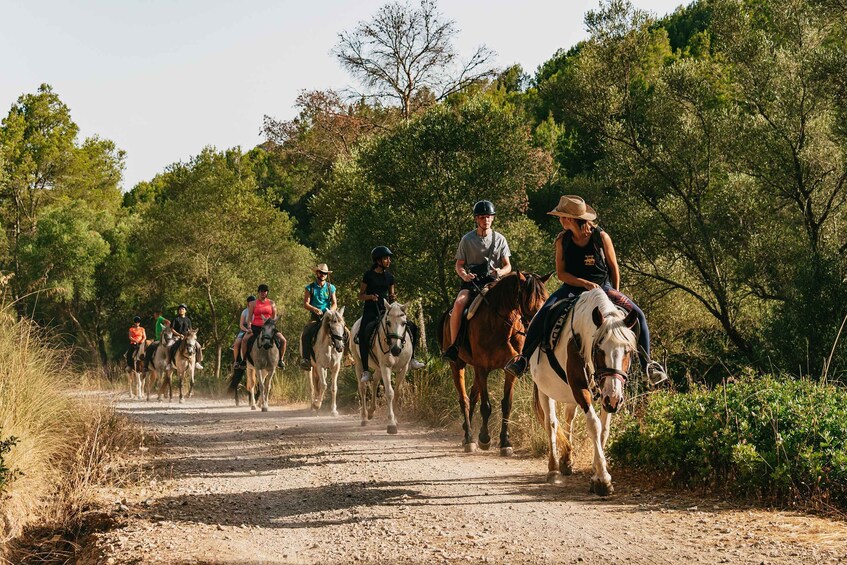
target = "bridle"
x: 389, y: 335
x: 337, y: 339
x: 600, y: 373
x: 266, y: 340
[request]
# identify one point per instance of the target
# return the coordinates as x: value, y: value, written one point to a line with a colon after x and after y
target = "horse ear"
x: 403, y: 308
x: 631, y: 320
x: 597, y: 316
x: 264, y: 318
x: 546, y: 277
x: 341, y: 312
x: 385, y: 304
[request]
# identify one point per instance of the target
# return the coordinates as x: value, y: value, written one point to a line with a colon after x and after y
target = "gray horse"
x: 185, y: 358
x: 329, y: 353
x: 136, y: 372
x: 261, y: 364
x: 160, y: 366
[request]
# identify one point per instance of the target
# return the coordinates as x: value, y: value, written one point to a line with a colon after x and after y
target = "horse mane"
x: 329, y: 316
x: 612, y: 325
x: 502, y: 293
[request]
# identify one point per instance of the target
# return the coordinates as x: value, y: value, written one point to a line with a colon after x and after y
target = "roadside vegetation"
x: 56, y: 446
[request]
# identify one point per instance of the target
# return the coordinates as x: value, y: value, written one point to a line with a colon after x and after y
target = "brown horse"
x: 494, y: 336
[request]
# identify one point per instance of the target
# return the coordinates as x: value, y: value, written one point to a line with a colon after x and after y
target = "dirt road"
x: 286, y: 486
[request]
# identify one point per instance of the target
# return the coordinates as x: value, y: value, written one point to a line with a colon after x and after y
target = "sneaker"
x: 280, y: 364
x: 415, y: 364
x: 452, y: 353
x: 198, y: 365
x: 305, y: 365
x: 366, y: 376
x: 656, y: 374
x: 517, y: 367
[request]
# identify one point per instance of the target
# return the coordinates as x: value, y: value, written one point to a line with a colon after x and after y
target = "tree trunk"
x: 422, y: 327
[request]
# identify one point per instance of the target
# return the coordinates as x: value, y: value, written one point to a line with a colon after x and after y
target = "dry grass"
x: 66, y: 446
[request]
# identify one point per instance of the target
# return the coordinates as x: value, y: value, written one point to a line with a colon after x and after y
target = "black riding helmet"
x: 182, y: 306
x: 250, y: 299
x: 483, y: 208
x: 379, y: 252
x: 137, y: 319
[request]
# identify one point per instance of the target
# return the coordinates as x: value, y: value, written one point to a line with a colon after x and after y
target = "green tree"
x: 211, y: 240
x: 413, y: 190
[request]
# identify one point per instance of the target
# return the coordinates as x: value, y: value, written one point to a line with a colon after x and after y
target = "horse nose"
x: 610, y: 405
x: 395, y: 351
x: 339, y: 348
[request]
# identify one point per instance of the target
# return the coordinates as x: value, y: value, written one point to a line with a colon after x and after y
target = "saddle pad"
x: 476, y: 302
x: 554, y: 323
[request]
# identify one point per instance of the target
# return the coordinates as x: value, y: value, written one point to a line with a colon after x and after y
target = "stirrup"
x: 451, y: 353
x: 517, y: 366
x: 655, y: 374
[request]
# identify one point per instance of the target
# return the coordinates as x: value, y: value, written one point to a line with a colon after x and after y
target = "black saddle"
x: 554, y: 322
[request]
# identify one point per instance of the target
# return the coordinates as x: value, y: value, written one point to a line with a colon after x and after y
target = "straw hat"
x: 322, y: 268
x: 571, y: 206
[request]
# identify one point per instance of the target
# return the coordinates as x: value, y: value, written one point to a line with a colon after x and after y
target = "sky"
x: 165, y: 78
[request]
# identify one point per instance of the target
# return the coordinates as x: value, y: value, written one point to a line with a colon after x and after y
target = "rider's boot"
x: 517, y: 366
x: 305, y: 364
x: 415, y: 364
x: 366, y: 376
x: 451, y: 354
x: 656, y: 374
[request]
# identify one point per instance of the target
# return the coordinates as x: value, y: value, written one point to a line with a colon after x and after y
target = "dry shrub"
x: 66, y: 445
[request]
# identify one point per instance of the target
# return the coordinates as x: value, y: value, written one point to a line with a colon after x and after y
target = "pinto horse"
x: 597, y: 343
x: 136, y: 372
x: 494, y: 336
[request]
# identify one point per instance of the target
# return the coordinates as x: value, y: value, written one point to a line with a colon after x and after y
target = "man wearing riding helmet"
x: 378, y: 285
x: 180, y: 325
x: 259, y: 311
x: 318, y: 297
x: 137, y: 336
x: 243, y: 328
x: 482, y: 257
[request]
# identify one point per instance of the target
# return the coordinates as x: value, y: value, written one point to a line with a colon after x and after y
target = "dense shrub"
x: 765, y: 436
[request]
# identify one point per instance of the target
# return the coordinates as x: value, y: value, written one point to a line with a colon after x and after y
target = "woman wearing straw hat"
x: 319, y: 296
x: 585, y: 259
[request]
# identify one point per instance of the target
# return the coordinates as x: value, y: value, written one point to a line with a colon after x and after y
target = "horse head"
x: 167, y: 336
x: 266, y: 338
x: 334, y: 326
x: 520, y: 291
x: 611, y: 353
x: 189, y: 342
x: 395, y: 327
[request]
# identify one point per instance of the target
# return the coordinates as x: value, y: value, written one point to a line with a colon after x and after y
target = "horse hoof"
x: 392, y: 430
x: 506, y: 451
x: 334, y: 413
x: 601, y: 489
x: 484, y: 445
x: 554, y: 478
x: 252, y: 408
x: 470, y: 447
x: 364, y: 423
x: 264, y: 408
x: 566, y: 470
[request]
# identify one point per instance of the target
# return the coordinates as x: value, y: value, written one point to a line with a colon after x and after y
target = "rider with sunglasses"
x: 319, y: 296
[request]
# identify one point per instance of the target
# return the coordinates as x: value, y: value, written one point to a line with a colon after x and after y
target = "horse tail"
x: 562, y: 442
x: 439, y: 329
x: 235, y: 380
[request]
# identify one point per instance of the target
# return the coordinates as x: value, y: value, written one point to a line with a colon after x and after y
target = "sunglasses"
x: 322, y: 273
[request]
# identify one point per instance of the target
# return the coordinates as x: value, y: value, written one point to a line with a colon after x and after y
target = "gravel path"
x: 286, y: 486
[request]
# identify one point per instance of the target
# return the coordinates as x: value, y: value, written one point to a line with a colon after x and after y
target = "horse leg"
x: 605, y: 423
x: 506, y: 449
x: 190, y: 380
x: 566, y: 461
x: 464, y: 404
x: 551, y: 427
x: 601, y: 480
x: 312, y: 387
x: 130, y: 376
x: 321, y: 386
x: 334, y: 387
x: 265, y: 388
x: 484, y: 407
x: 389, y: 399
x: 181, y: 377
x: 251, y: 385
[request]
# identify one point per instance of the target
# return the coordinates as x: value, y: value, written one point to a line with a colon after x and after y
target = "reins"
x: 518, y: 306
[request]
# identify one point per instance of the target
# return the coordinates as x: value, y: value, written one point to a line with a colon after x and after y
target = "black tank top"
x: 587, y: 262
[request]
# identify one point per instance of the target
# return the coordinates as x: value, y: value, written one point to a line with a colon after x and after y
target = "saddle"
x: 311, y: 334
x: 554, y: 323
x: 476, y: 302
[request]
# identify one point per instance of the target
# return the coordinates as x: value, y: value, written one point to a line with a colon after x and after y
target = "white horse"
x: 261, y: 364
x: 390, y: 353
x: 328, y: 355
x: 136, y: 372
x: 185, y: 358
x: 160, y: 366
x: 597, y: 343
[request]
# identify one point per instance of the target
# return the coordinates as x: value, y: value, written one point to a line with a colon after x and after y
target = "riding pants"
x: 534, y: 334
x: 308, y: 335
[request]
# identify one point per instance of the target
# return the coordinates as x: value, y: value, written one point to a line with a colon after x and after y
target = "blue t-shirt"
x: 320, y: 296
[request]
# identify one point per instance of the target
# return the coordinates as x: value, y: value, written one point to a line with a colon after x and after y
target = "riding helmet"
x: 483, y: 208
x: 137, y: 319
x: 379, y: 252
x: 250, y: 299
x: 182, y: 306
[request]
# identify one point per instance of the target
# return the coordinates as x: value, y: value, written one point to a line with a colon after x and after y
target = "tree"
x: 211, y: 240
x: 413, y: 190
x: 402, y: 53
